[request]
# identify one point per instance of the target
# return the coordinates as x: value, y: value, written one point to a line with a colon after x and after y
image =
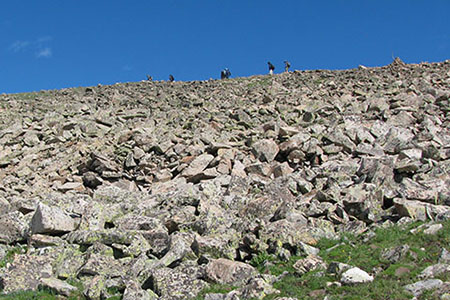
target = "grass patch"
x: 29, y: 295
x: 9, y: 257
x: 215, y: 288
x: 265, y: 82
x: 42, y: 294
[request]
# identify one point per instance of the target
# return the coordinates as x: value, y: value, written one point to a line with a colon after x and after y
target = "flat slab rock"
x: 59, y: 286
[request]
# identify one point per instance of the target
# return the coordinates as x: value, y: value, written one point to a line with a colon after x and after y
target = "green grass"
x: 42, y: 294
x: 29, y: 295
x: 9, y: 257
x: 215, y: 288
x: 260, y: 82
x: 354, y: 250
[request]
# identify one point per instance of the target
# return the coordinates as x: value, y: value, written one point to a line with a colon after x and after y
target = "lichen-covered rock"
x: 13, y: 227
x: 25, y: 273
x: 97, y: 264
x: 283, y: 233
x: 95, y: 287
x: 215, y: 247
x: 106, y: 236
x: 225, y: 271
x: 176, y: 284
x: 68, y: 262
x: 134, y: 291
x: 180, y: 249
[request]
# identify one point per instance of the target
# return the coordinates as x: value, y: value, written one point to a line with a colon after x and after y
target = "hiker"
x: 171, y: 78
x: 149, y: 78
x: 287, y: 65
x: 271, y: 68
x: 225, y: 74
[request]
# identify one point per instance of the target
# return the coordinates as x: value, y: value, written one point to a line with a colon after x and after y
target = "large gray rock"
x: 175, y: 284
x: 103, y: 265
x: 394, y: 254
x: 59, y: 286
x: 180, y: 249
x: 434, y: 270
x: 194, y: 172
x: 418, y: 210
x: 134, y: 291
x: 51, y: 220
x: 419, y: 287
x: 265, y: 150
x: 106, y: 236
x: 225, y: 271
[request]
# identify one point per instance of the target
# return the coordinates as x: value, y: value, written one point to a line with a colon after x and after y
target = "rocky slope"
x: 157, y: 189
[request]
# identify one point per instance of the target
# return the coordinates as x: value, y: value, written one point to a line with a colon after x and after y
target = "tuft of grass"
x: 9, y: 257
x: 215, y: 288
x: 259, y: 260
x: 29, y: 295
x: 265, y: 82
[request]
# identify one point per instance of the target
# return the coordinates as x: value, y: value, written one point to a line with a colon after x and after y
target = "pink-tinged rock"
x: 282, y: 170
x: 197, y: 166
x: 265, y: 150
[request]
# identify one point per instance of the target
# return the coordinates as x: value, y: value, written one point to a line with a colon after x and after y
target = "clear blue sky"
x: 66, y: 43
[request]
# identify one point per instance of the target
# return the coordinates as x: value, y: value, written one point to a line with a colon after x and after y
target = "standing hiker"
x: 271, y: 68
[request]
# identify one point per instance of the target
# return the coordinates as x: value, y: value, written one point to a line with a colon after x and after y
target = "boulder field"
x: 155, y: 190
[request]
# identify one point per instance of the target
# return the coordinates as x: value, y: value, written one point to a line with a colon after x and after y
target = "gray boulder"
x: 59, y: 286
x: 134, y: 291
x: 265, y: 150
x: 419, y: 287
x: 51, y: 220
x: 225, y: 271
x: 175, y: 284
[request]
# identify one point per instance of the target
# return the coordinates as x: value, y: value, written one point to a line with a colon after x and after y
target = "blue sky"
x: 66, y: 43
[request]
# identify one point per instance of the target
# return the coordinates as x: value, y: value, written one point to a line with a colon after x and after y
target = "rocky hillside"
x: 155, y: 190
